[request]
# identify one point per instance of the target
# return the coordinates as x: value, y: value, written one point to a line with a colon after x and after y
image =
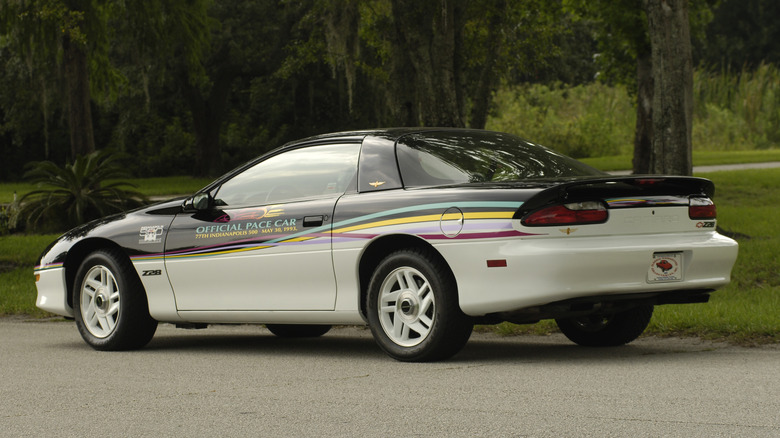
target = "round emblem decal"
x: 665, y: 267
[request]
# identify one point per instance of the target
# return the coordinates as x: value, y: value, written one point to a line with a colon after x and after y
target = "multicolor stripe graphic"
x: 48, y: 267
x: 493, y: 221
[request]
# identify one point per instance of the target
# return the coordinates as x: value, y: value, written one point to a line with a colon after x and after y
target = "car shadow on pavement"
x: 258, y: 340
x: 357, y: 342
x: 556, y: 348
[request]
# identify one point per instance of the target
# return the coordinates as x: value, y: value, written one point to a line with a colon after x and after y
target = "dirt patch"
x: 7, y: 267
x: 733, y: 234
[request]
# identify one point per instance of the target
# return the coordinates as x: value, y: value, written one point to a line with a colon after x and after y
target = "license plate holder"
x: 666, y: 267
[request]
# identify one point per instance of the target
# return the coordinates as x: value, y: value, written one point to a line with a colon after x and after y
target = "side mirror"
x: 199, y: 202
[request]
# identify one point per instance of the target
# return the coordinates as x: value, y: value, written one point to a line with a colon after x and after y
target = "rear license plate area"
x: 666, y: 267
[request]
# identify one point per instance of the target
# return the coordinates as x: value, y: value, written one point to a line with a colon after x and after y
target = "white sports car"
x: 419, y: 233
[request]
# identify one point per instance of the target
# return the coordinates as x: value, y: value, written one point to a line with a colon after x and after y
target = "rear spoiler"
x: 601, y: 188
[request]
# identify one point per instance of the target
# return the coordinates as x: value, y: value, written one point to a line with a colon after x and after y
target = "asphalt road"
x: 242, y: 381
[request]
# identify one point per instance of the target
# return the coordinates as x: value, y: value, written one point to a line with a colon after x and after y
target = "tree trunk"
x: 643, y: 137
x: 429, y: 33
x: 487, y: 76
x: 207, y: 116
x: 342, y: 36
x: 82, y: 138
x: 45, y: 112
x: 208, y: 113
x: 669, y: 30
x: 401, y: 90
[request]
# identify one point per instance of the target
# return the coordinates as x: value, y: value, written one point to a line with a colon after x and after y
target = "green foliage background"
x: 166, y: 74
x: 734, y: 111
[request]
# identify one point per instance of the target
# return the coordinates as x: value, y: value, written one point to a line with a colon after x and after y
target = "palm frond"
x: 77, y: 192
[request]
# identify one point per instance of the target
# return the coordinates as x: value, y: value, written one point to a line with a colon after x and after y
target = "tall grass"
x: 740, y: 111
x: 583, y: 121
x: 733, y: 111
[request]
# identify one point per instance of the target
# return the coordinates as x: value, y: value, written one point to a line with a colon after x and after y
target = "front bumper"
x: 53, y: 291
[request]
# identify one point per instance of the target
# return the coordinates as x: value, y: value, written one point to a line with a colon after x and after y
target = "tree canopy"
x: 197, y: 86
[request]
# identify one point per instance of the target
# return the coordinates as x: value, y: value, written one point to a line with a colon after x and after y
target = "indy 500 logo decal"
x: 151, y: 234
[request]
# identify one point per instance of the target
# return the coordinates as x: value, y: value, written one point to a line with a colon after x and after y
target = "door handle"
x: 313, y: 221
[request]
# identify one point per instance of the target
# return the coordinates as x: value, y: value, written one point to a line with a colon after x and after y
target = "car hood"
x: 164, y: 208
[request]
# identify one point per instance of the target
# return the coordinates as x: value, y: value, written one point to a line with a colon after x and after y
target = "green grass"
x: 10, y: 189
x: 18, y: 255
x: 171, y: 185
x: 700, y: 158
x: 710, y: 158
x: 748, y: 309
x: 161, y: 186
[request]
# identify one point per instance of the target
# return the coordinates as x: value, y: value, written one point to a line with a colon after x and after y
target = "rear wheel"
x: 413, y: 308
x: 298, y: 330
x: 109, y: 303
x: 607, y: 330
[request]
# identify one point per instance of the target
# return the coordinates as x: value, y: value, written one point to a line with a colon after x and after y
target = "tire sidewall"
x: 621, y: 328
x: 124, y: 336
x: 437, y: 344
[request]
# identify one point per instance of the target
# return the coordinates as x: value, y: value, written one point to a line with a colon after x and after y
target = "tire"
x: 298, y: 330
x: 607, y: 331
x: 413, y: 309
x: 109, y: 303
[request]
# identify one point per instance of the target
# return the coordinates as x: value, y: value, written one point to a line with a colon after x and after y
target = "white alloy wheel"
x: 100, y: 304
x: 109, y: 303
x: 412, y: 307
x: 407, y: 306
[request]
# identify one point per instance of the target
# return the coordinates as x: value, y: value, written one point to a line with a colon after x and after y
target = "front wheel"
x: 413, y: 307
x: 109, y: 303
x: 607, y: 330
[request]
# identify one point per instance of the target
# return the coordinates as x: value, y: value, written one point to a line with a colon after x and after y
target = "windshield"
x: 456, y: 157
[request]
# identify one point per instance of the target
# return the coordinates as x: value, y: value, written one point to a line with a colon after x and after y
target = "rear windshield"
x: 457, y: 157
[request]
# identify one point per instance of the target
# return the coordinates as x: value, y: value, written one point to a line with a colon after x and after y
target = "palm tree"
x: 76, y: 193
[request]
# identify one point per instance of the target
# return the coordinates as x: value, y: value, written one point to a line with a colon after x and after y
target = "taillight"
x: 702, y: 208
x: 575, y: 213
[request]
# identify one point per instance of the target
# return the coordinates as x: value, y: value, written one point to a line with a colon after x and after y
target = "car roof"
x: 356, y: 136
x: 388, y: 133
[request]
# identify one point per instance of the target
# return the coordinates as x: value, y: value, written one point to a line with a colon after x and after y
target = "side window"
x: 306, y: 173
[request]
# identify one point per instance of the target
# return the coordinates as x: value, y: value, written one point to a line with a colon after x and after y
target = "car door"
x: 264, y: 242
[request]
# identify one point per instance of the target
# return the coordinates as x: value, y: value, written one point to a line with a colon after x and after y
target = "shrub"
x: 732, y: 111
x: 9, y: 218
x: 737, y: 110
x: 76, y: 193
x: 589, y: 120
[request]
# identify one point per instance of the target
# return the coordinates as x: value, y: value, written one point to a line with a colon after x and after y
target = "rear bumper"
x: 541, y: 271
